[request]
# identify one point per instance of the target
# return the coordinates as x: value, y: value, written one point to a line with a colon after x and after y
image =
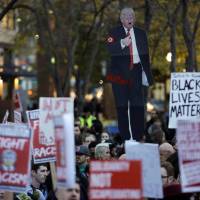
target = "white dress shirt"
x: 136, y: 58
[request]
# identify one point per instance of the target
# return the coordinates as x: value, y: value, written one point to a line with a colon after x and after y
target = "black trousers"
x: 130, y: 93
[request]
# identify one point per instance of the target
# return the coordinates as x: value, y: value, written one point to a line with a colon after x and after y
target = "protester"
x: 73, y: 193
x: 82, y: 159
x: 166, y: 150
x: 104, y: 136
x: 91, y: 148
x: 37, y: 189
x: 102, y: 151
x: 155, y: 134
x: 87, y: 138
x: 167, y: 173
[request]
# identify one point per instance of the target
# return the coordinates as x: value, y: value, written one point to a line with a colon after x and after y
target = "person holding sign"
x: 128, y: 73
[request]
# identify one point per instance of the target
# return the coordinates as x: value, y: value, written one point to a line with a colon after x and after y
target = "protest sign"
x: 151, y: 174
x: 65, y: 154
x: 41, y: 153
x: 17, y: 117
x: 188, y: 141
x: 17, y: 101
x: 50, y: 107
x: 115, y: 179
x: 184, y: 97
x: 5, y: 118
x: 15, y: 143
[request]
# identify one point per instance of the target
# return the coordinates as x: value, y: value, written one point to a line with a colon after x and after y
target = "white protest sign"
x: 188, y: 140
x: 184, y: 97
x: 66, y: 153
x: 50, y: 107
x: 151, y: 174
x: 17, y: 117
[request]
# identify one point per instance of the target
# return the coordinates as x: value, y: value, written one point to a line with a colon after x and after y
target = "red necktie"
x: 130, y: 51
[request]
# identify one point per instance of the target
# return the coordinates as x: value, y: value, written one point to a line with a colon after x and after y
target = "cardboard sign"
x: 17, y: 101
x: 41, y: 153
x: 188, y: 140
x: 17, y: 117
x: 65, y: 155
x: 118, y: 179
x: 151, y: 174
x: 184, y: 97
x: 49, y: 108
x: 15, y: 143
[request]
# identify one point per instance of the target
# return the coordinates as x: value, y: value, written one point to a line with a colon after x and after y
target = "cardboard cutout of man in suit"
x: 129, y: 71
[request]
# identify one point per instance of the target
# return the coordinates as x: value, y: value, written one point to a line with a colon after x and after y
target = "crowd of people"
x: 94, y: 142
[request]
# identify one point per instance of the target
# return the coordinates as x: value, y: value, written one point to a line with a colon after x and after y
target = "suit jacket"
x: 120, y: 58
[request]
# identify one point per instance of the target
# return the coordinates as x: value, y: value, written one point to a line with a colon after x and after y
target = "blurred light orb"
x: 101, y: 82
x: 36, y: 36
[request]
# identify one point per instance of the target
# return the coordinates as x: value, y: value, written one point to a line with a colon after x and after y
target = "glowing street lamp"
x: 1, y: 88
x: 169, y: 57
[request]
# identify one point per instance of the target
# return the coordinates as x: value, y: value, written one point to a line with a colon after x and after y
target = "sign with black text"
x: 184, y: 97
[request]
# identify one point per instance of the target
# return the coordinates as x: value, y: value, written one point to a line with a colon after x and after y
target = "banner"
x: 151, y: 174
x: 15, y: 143
x: 49, y: 108
x: 188, y: 140
x: 41, y: 153
x: 184, y: 97
x: 115, y: 179
x: 65, y: 154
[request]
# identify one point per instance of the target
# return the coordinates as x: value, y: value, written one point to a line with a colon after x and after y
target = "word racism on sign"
x: 15, y: 157
x: 184, y: 97
x: 107, y: 180
x: 41, y: 153
x: 188, y: 140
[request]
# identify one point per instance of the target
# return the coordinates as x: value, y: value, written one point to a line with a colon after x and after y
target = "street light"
x: 169, y: 57
x: 1, y: 88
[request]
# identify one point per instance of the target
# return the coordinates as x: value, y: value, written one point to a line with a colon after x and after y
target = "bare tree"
x: 171, y: 16
x: 189, y: 34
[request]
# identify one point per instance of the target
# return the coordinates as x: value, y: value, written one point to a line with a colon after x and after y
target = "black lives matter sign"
x: 184, y: 97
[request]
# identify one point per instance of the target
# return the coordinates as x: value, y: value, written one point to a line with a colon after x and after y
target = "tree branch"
x: 196, y: 26
x: 7, y: 8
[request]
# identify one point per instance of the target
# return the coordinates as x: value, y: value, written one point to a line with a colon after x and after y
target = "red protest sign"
x: 15, y: 142
x: 117, y: 179
x: 41, y: 153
